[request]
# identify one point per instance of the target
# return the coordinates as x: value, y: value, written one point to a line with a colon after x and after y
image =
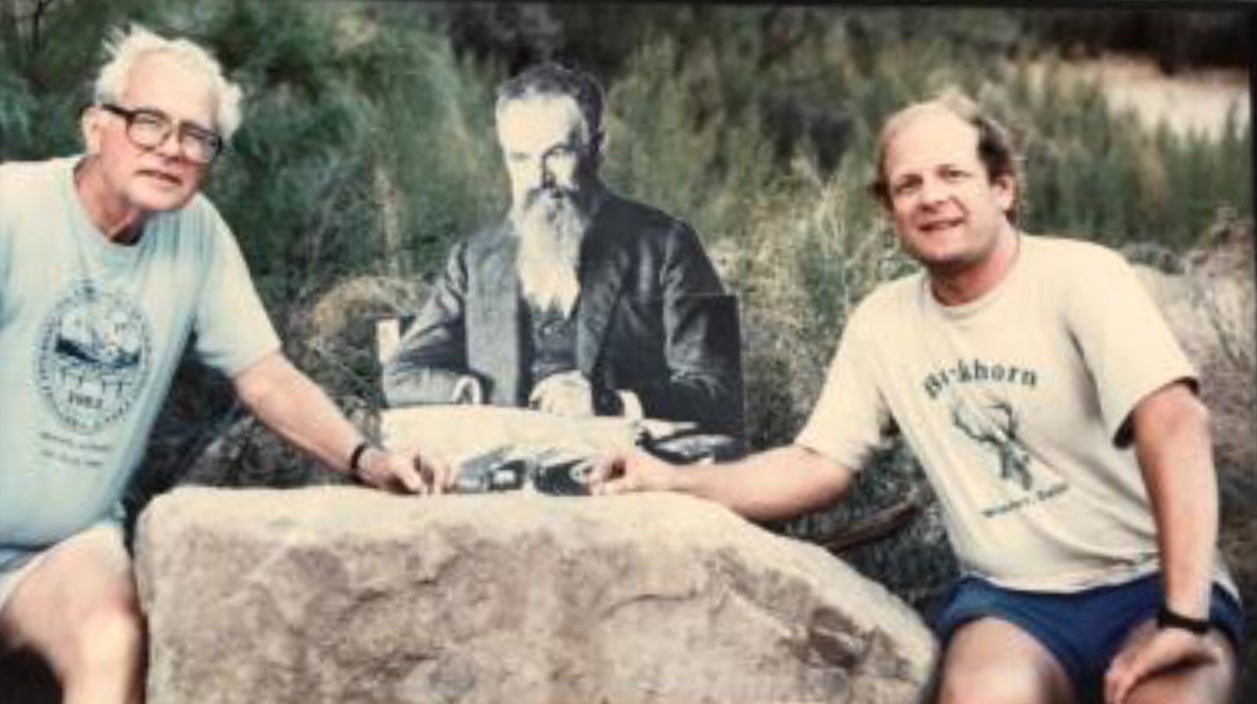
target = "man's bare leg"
x: 990, y: 661
x: 78, y: 609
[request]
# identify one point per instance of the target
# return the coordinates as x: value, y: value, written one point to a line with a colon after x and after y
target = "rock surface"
x: 340, y: 594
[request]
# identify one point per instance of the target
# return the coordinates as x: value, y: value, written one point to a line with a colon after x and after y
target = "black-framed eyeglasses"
x: 149, y: 129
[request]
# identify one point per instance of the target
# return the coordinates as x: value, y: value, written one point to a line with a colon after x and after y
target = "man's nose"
x: 933, y: 192
x: 170, y: 146
x: 546, y: 178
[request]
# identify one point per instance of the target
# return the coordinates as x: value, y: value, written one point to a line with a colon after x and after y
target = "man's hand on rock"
x: 630, y: 471
x: 564, y: 394
x: 425, y: 473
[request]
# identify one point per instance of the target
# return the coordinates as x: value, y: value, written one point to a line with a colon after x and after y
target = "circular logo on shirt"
x: 94, y: 357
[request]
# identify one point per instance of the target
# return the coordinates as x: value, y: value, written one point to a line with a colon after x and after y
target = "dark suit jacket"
x: 652, y: 318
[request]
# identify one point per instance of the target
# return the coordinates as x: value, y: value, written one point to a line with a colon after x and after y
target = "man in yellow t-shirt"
x: 1057, y: 419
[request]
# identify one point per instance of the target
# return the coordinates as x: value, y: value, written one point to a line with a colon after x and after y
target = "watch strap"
x: 355, y: 458
x: 1167, y: 618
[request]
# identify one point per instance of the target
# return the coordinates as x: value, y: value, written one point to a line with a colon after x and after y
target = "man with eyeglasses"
x: 110, y: 264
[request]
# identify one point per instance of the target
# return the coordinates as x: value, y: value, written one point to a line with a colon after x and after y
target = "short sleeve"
x: 1126, y: 342
x: 851, y: 418
x: 6, y: 202
x: 232, y: 328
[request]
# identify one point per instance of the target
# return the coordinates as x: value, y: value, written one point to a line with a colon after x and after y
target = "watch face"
x: 563, y: 479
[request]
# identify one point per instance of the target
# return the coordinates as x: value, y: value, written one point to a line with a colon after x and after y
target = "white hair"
x: 124, y: 48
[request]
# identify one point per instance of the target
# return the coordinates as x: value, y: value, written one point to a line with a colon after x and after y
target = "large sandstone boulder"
x: 347, y: 595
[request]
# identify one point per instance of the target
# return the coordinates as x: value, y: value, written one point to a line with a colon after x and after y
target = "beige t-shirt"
x: 1016, y: 404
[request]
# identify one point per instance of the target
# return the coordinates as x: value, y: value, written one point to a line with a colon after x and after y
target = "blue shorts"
x: 1083, y: 630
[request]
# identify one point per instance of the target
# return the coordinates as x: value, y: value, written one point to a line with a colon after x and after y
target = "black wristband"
x: 1168, y: 619
x: 356, y: 456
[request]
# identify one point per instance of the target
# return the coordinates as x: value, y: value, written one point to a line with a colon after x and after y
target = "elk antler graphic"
x: 1000, y: 438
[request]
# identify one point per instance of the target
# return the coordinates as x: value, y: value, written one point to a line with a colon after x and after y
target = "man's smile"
x: 940, y: 224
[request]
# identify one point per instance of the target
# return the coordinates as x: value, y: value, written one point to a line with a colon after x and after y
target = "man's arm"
x: 293, y: 406
x: 430, y: 365
x: 702, y: 343
x: 1172, y: 443
x: 778, y: 483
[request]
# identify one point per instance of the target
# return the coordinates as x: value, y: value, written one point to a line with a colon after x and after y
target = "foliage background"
x: 368, y: 148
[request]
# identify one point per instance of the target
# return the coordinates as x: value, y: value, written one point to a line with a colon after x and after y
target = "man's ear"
x: 1006, y: 191
x: 90, y: 126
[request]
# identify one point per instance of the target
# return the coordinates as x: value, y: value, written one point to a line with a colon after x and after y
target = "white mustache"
x: 552, y: 193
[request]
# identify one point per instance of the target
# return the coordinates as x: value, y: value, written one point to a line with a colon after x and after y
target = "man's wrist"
x: 630, y: 405
x: 682, y: 480
x: 1168, y: 618
x: 358, y: 459
x: 467, y: 390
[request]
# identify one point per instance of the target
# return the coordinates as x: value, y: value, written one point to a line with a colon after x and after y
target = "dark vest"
x: 552, y: 344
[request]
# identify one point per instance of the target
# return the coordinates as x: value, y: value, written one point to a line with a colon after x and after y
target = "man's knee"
x: 992, y: 661
x: 991, y: 685
x: 107, y: 639
x: 1156, y: 693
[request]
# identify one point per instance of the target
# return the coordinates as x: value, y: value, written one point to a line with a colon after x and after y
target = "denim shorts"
x: 1083, y: 630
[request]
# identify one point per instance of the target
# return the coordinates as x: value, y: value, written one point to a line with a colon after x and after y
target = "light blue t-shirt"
x: 91, y: 333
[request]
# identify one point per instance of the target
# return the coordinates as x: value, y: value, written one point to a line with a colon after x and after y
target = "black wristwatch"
x: 355, y: 459
x: 1168, y: 619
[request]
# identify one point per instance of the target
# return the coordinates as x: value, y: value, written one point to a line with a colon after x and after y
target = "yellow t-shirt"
x: 1016, y: 405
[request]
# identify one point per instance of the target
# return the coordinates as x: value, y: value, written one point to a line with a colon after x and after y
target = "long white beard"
x: 550, y: 232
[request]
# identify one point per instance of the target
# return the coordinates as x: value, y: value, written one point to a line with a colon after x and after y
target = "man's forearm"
x: 1173, y: 446
x: 290, y: 404
x: 407, y: 384
x: 714, y: 401
x: 775, y: 484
